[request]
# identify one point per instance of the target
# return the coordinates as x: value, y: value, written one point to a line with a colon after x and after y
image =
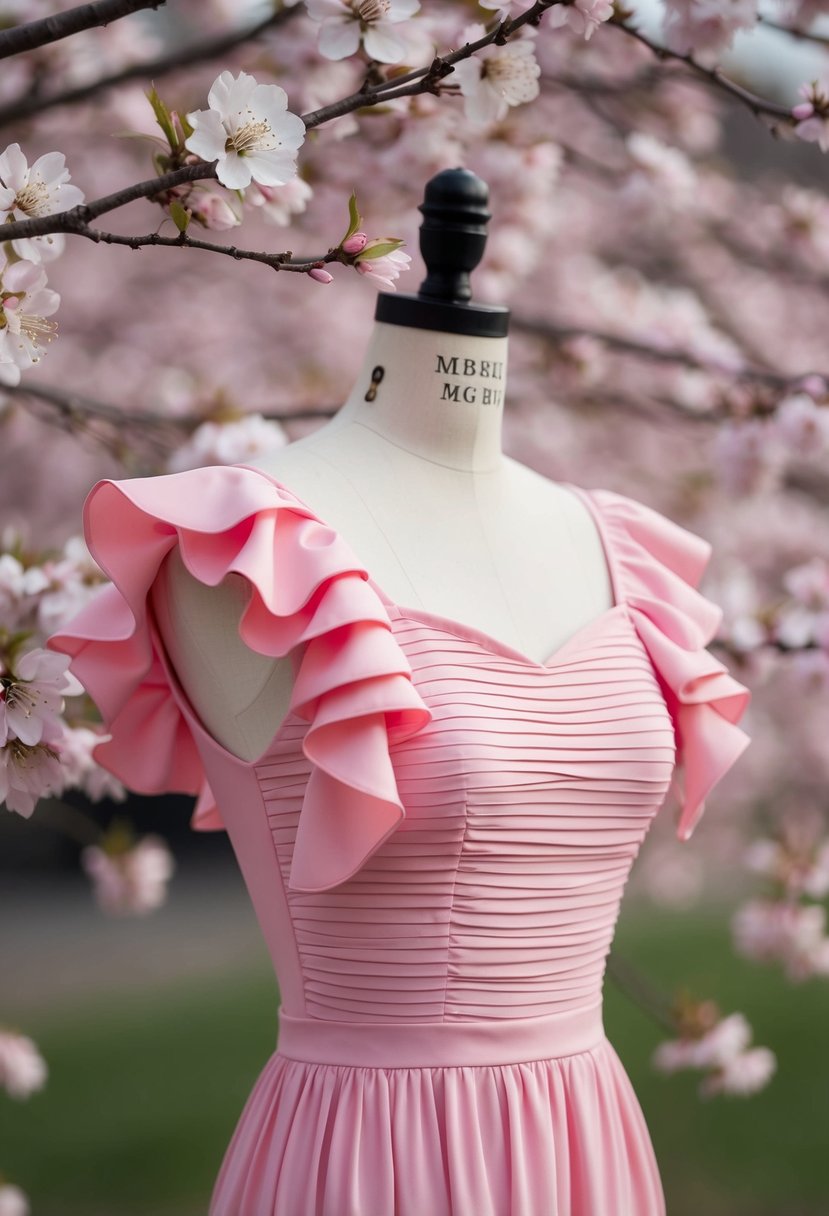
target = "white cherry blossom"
x: 27, y: 192
x: 22, y: 1067
x: 347, y: 23
x: 496, y: 78
x: 248, y: 130
x: 26, y: 303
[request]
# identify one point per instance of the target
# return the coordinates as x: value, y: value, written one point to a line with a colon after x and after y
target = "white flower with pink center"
x: 28, y: 192
x: 132, y: 881
x: 26, y: 303
x: 582, y: 16
x: 248, y: 130
x: 22, y: 1067
x: 496, y: 77
x: 81, y: 770
x: 32, y: 698
x: 383, y: 270
x: 344, y: 24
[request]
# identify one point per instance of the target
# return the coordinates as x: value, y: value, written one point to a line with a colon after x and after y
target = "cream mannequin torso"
x: 416, y: 482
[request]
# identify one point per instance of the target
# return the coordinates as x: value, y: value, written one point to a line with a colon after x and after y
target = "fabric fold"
x: 353, y: 684
x: 659, y: 566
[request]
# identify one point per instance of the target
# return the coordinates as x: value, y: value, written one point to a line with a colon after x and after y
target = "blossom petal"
x: 50, y: 169
x: 339, y: 38
x: 234, y: 171
x: 384, y: 43
x: 229, y: 94
x: 209, y: 137
x: 14, y: 168
x: 271, y: 168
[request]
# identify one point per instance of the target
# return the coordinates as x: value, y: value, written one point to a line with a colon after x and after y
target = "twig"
x: 757, y: 105
x: 557, y: 333
x: 51, y: 29
x: 635, y: 985
x: 209, y: 48
x: 805, y: 35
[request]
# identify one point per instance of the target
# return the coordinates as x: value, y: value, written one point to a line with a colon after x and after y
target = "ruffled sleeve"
x: 658, y: 566
x: 353, y: 684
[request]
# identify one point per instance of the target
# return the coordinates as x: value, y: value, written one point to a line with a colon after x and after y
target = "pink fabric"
x: 436, y: 843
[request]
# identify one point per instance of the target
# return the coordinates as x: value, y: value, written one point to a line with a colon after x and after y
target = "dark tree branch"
x: 51, y: 29
x: 199, y: 52
x: 804, y: 35
x: 757, y: 105
x: 276, y: 261
x: 552, y: 332
x: 77, y: 218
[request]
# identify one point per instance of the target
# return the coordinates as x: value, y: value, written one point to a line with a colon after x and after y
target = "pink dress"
x: 436, y: 843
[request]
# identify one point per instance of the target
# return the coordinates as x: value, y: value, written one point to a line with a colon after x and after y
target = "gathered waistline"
x: 439, y: 1044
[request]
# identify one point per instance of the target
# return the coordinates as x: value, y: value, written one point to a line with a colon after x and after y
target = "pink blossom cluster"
x: 785, y: 926
x: 720, y: 1049
x: 129, y: 878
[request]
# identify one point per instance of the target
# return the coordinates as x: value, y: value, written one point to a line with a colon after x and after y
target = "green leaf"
x: 180, y: 217
x: 162, y: 117
x: 380, y: 249
x: 186, y: 127
x: 354, y: 217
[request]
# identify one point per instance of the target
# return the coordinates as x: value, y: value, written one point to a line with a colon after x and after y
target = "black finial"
x: 452, y: 242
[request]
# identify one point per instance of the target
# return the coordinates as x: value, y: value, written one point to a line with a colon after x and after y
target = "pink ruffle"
x: 353, y: 686
x: 659, y: 565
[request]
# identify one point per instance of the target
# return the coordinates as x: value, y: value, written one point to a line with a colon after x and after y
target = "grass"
x: 145, y: 1089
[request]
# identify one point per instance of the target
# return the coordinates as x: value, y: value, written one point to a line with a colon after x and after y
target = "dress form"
x: 411, y: 473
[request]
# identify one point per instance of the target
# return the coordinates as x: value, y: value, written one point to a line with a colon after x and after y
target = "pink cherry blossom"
x: 22, y: 1068
x: 133, y: 881
x: 80, y: 769
x: 28, y: 774
x: 582, y: 16
x: 213, y: 211
x: 706, y: 27
x: 344, y: 24
x: 248, y: 130
x: 744, y: 1073
x: 279, y: 204
x: 385, y: 269
x: 497, y: 77
x: 33, y: 696
x: 247, y: 439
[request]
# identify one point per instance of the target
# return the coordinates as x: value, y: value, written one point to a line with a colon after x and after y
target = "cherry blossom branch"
x: 209, y: 48
x: 62, y: 25
x: 558, y: 333
x: 804, y: 35
x: 71, y: 405
x: 276, y: 261
x: 758, y: 105
x: 77, y: 218
x: 637, y: 987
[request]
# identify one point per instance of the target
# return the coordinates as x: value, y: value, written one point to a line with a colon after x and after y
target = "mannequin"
x: 411, y: 473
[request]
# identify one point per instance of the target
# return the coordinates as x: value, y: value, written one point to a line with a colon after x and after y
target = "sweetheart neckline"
x: 472, y: 632
x: 488, y: 644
